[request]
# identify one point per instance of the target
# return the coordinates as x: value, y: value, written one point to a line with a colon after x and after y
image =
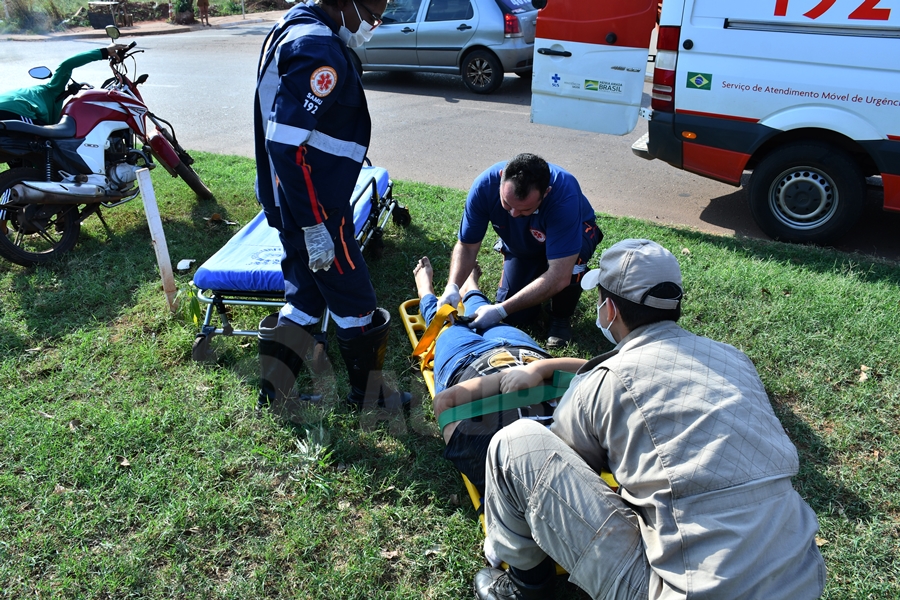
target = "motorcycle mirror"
x: 113, y: 32
x: 141, y: 79
x: 40, y: 72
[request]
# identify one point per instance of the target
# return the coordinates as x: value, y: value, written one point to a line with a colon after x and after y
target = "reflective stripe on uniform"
x: 286, y: 134
x: 336, y: 147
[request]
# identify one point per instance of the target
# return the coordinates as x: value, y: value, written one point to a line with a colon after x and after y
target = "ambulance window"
x: 515, y: 6
x: 401, y: 11
x: 450, y: 10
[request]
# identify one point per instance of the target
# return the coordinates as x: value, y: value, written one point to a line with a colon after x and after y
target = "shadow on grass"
x: 824, y: 495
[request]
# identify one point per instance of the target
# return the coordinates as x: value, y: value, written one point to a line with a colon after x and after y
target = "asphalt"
x: 150, y: 28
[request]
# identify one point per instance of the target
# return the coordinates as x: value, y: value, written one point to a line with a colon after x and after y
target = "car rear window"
x: 515, y: 6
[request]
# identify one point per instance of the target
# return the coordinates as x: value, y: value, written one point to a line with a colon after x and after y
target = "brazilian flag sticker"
x: 699, y: 81
x: 592, y: 85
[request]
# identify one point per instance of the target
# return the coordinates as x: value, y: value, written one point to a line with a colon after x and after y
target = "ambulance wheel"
x: 482, y: 72
x: 401, y: 216
x: 807, y: 192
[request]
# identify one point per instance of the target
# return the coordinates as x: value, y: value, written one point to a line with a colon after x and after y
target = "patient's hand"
x: 519, y: 378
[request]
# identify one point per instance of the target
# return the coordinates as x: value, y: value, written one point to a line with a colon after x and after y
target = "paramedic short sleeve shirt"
x: 553, y: 231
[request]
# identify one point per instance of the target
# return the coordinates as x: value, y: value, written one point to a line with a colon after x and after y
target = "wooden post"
x: 158, y: 237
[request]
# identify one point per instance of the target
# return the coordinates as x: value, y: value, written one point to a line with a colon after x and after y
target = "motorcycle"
x: 61, y: 174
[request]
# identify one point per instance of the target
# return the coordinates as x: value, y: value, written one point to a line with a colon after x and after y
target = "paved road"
x: 427, y: 128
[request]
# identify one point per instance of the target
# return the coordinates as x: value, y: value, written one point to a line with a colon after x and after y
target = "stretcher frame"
x: 217, y: 301
x: 415, y: 327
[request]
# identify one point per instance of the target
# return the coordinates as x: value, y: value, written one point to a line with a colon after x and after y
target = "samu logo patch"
x: 539, y: 235
x: 323, y: 81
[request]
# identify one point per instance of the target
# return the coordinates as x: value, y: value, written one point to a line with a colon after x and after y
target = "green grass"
x: 128, y: 470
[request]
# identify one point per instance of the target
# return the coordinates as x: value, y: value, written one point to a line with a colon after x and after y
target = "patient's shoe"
x: 560, y: 332
x: 495, y: 584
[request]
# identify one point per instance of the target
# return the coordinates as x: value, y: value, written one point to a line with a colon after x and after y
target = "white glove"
x: 487, y: 316
x: 319, y: 247
x: 451, y: 296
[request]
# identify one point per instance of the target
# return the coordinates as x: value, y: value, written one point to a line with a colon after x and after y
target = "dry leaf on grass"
x: 45, y: 415
x: 74, y: 424
x: 58, y: 489
x: 122, y: 461
x: 434, y: 551
x: 820, y: 541
x: 390, y: 554
x: 685, y: 251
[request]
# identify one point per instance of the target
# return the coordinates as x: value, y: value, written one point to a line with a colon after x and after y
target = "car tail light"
x: 511, y: 26
x: 662, y: 97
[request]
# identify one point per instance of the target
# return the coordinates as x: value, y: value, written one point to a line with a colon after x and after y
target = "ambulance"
x: 804, y: 94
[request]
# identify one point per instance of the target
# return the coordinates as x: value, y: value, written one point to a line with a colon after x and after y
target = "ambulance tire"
x: 482, y: 72
x: 807, y: 192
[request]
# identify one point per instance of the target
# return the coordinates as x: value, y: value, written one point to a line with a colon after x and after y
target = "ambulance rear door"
x: 589, y: 63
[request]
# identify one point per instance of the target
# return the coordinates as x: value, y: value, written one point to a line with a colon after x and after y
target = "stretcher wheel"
x: 375, y: 247
x: 201, y: 351
x: 401, y: 216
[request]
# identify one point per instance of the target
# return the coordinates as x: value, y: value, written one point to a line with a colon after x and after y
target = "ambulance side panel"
x: 589, y: 64
x: 748, y: 72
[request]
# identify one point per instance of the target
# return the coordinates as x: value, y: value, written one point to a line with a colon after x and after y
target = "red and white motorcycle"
x: 61, y: 174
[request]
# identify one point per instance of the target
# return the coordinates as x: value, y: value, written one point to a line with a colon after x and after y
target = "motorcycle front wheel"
x: 33, y: 234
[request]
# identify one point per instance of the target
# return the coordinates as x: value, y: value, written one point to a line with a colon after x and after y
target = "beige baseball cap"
x: 631, y: 268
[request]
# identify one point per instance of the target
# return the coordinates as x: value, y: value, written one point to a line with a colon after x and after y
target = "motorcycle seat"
x: 64, y: 129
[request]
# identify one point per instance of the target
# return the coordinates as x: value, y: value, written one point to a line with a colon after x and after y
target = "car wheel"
x: 482, y: 72
x: 807, y: 192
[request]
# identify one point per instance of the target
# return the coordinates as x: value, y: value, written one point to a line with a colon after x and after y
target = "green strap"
x: 508, y: 401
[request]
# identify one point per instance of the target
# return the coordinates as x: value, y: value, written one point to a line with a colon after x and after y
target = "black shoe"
x: 560, y: 333
x: 494, y: 584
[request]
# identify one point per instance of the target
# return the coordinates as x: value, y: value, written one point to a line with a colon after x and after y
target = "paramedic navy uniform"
x: 312, y: 131
x: 563, y: 225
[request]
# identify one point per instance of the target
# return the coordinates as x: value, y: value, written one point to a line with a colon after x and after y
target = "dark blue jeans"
x: 458, y: 345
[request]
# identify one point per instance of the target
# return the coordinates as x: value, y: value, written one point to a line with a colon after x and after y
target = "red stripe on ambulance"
x: 724, y: 165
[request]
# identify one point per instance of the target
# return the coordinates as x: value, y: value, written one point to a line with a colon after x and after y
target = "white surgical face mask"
x: 358, y: 38
x: 605, y: 330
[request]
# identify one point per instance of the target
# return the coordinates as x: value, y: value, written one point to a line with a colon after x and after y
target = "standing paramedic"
x: 548, y: 232
x: 312, y: 130
x: 705, y: 507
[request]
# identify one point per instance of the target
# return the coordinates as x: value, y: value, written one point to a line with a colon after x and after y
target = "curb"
x: 131, y: 32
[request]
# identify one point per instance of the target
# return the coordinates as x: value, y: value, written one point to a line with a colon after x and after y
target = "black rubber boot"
x: 364, y: 357
x: 496, y: 584
x: 282, y: 351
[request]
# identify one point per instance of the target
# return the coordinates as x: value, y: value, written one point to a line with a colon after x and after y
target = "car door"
x: 589, y: 63
x: 444, y: 31
x: 394, y: 41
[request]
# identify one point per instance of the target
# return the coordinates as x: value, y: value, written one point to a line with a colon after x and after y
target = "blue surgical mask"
x: 605, y: 330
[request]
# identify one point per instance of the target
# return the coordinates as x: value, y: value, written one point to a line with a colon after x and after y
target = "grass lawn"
x: 128, y: 470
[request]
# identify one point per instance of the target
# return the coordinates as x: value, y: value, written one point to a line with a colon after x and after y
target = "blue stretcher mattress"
x: 251, y: 260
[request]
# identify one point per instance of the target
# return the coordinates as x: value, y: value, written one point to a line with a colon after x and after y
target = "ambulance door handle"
x: 552, y: 52
x: 406, y: 30
x: 611, y: 38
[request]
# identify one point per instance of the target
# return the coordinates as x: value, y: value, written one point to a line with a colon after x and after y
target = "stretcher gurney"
x: 246, y: 271
x: 422, y: 338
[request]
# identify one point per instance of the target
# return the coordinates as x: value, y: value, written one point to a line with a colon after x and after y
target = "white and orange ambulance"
x: 803, y: 93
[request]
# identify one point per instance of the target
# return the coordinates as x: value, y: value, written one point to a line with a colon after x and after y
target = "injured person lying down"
x: 472, y: 364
